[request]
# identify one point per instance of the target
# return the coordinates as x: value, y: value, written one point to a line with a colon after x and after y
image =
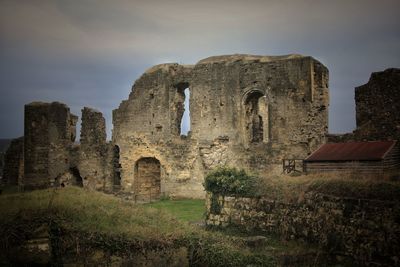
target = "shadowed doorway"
x: 147, y: 179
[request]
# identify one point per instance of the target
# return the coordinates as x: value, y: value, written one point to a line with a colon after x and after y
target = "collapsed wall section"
x: 49, y: 132
x: 378, y: 105
x: 95, y: 154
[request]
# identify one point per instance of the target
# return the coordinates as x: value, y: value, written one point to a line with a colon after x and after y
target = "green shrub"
x: 231, y: 182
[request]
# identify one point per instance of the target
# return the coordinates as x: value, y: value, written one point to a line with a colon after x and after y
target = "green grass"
x: 92, y: 212
x: 188, y: 210
x: 292, y: 188
x: 103, y: 221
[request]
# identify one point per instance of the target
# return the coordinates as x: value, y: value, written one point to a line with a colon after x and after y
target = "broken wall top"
x: 218, y: 88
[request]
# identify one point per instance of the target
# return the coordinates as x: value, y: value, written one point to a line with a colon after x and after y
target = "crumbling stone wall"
x: 378, y: 105
x: 95, y: 154
x: 365, y: 230
x: 13, y: 171
x: 47, y: 154
x: 377, y: 109
x: 49, y: 133
x: 246, y: 111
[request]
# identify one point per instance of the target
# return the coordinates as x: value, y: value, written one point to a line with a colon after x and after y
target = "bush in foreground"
x: 231, y: 182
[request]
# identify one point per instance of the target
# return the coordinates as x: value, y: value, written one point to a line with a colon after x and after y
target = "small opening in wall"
x: 256, y: 118
x: 185, y: 123
x: 181, y: 120
x: 117, y: 167
x: 77, y: 177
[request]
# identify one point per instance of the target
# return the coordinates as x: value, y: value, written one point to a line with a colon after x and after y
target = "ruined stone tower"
x: 246, y: 111
x: 49, y: 133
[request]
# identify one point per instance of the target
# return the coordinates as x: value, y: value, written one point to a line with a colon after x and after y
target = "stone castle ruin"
x: 246, y: 111
x: 377, y: 109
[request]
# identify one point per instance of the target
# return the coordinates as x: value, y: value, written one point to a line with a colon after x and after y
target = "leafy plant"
x: 231, y: 182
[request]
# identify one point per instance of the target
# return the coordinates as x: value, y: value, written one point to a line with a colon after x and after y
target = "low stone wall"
x: 368, y: 231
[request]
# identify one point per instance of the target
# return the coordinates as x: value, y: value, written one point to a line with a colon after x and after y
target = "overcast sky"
x: 90, y: 52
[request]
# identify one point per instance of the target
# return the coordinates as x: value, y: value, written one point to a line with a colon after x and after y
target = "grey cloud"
x: 90, y: 52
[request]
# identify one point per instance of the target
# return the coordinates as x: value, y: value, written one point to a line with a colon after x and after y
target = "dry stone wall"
x: 367, y: 231
x: 246, y: 111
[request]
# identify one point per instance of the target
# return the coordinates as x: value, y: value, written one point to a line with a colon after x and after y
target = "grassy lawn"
x: 189, y: 210
x: 98, y: 221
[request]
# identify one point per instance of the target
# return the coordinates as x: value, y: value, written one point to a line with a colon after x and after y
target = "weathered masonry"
x: 48, y: 156
x: 49, y: 133
x: 378, y: 106
x: 363, y: 230
x: 377, y: 109
x: 245, y: 111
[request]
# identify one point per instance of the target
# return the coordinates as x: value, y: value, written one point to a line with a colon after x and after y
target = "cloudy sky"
x: 89, y: 52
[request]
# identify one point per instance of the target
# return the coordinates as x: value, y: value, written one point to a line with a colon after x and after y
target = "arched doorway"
x: 147, y: 179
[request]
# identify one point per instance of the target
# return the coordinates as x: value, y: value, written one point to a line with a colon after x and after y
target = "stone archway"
x: 147, y: 179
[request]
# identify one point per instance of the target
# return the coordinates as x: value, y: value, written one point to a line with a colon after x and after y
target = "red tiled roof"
x: 375, y: 150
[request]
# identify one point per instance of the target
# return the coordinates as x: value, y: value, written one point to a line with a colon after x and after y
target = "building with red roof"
x: 362, y: 157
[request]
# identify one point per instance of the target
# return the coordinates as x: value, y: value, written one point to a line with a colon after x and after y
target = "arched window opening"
x: 117, y: 167
x: 256, y: 118
x: 147, y: 179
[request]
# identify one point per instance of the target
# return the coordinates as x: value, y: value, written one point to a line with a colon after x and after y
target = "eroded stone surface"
x: 378, y: 106
x: 95, y: 154
x: 246, y: 111
x: 377, y: 109
x: 49, y: 133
